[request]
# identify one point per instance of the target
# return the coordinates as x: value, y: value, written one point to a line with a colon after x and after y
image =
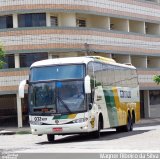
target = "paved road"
x: 142, y: 139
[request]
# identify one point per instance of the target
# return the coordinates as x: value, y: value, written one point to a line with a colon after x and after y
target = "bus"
x: 81, y: 95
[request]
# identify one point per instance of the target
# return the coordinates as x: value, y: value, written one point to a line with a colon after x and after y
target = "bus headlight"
x: 81, y: 120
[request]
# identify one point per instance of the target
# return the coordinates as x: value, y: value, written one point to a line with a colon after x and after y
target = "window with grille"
x: 54, y: 21
x: 81, y: 22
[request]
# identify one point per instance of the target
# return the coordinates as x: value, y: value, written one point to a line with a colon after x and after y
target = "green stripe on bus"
x: 69, y: 116
x: 60, y: 117
x: 111, y: 107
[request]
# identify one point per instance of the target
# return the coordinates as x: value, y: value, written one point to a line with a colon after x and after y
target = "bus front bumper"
x: 75, y: 128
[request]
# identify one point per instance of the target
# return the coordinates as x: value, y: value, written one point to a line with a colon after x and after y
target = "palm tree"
x: 2, y: 56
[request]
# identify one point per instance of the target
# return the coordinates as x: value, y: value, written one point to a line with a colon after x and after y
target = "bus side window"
x: 108, y: 75
x: 123, y: 77
x: 90, y: 72
x: 117, y: 76
x: 105, y: 75
x: 130, y: 78
x: 127, y: 78
x: 98, y: 74
x: 134, y: 78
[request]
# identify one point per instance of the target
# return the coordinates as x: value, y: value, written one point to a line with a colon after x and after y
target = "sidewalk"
x: 26, y: 130
x: 148, y: 122
x: 14, y: 130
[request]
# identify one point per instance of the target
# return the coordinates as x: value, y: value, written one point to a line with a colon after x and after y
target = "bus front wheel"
x: 96, y: 134
x: 51, y: 137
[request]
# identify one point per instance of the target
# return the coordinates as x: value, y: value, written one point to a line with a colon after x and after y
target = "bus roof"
x: 78, y: 60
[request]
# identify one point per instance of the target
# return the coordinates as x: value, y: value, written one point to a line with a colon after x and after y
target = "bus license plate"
x: 57, y: 129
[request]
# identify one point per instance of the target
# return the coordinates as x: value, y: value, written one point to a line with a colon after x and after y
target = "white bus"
x: 80, y: 95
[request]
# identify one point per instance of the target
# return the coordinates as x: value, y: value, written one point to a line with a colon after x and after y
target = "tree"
x: 156, y: 79
x: 2, y: 56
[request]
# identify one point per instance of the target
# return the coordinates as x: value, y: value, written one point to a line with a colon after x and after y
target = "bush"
x: 156, y: 79
x: 2, y: 57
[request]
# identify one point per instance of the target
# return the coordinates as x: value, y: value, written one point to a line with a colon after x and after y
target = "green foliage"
x: 23, y: 132
x: 156, y: 79
x: 2, y: 56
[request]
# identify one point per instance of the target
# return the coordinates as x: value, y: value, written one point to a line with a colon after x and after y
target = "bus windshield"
x: 57, y: 97
x: 57, y: 72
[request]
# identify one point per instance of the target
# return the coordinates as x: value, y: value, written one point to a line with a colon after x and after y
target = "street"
x: 142, y: 139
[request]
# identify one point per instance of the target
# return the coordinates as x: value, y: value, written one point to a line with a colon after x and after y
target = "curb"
x: 147, y: 124
x: 14, y: 131
x: 4, y: 132
x: 23, y: 132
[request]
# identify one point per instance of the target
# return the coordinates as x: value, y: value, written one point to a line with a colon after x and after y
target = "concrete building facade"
x: 31, y: 30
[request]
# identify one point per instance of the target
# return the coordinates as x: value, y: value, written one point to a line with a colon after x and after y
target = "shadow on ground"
x: 108, y: 135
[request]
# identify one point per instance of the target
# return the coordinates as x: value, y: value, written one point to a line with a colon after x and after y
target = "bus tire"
x: 51, y: 137
x: 129, y: 126
x: 120, y: 129
x: 96, y: 134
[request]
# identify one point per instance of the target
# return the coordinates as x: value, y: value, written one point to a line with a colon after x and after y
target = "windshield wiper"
x: 65, y: 105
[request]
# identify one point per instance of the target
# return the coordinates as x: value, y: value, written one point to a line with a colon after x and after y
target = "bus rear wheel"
x: 51, y: 137
x: 129, y: 126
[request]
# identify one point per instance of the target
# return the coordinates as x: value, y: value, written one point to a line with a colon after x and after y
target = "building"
x: 30, y: 30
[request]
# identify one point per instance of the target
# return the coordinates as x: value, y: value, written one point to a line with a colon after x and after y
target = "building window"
x: 6, y: 22
x: 111, y: 26
x: 9, y: 61
x: 81, y: 22
x: 32, y: 20
x: 8, y: 110
x: 54, y: 21
x: 27, y: 59
x: 154, y: 97
x: 55, y: 56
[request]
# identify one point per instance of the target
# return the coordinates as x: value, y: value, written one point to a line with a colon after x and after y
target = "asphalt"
x: 26, y: 130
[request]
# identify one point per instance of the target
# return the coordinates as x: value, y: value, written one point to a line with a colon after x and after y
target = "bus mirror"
x: 87, y: 84
x: 22, y: 87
